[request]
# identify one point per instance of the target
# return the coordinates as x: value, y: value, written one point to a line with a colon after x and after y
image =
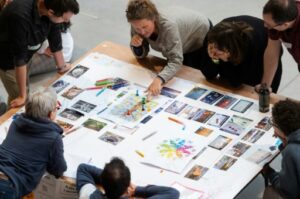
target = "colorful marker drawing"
x: 177, y: 148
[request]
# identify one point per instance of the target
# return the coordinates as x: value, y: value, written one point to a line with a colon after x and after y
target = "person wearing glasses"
x: 286, y: 124
x: 175, y: 32
x: 33, y: 146
x: 233, y: 51
x: 282, y: 19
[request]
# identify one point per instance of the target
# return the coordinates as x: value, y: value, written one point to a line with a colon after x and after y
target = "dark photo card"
x: 212, y: 97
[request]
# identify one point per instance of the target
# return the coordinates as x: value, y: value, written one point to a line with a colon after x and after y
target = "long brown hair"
x: 141, y: 9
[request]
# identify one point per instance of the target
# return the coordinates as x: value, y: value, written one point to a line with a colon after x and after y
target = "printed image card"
x: 242, y: 106
x: 72, y: 92
x: 83, y: 106
x: 94, y: 124
x: 176, y: 107
x: 196, y: 172
x: 253, y: 135
x: 218, y: 120
x: 220, y: 142
x: 236, y: 125
x: 225, y: 163
x: 195, y: 93
x: 64, y: 125
x: 188, y: 112
x: 212, y: 97
x: 259, y: 156
x: 60, y: 85
x: 264, y: 124
x: 187, y: 192
x: 203, y: 115
x: 111, y: 138
x: 238, y: 149
x: 203, y: 131
x: 71, y: 114
x: 77, y: 71
x: 226, y: 102
x: 169, y: 92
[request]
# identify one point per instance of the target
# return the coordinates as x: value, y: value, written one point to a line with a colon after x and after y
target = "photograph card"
x: 226, y: 102
x: 220, y: 142
x: 77, y: 71
x: 225, y: 163
x: 264, y: 124
x: 72, y: 92
x: 203, y: 131
x: 242, y: 106
x: 236, y: 125
x: 83, y: 106
x: 71, y: 114
x: 203, y: 115
x: 60, y: 85
x: 212, y: 97
x: 196, y: 172
x: 64, y: 125
x: 253, y: 135
x: 218, y: 120
x: 195, y: 93
x: 111, y: 138
x: 94, y: 124
x: 238, y: 149
x: 176, y: 107
x: 169, y: 92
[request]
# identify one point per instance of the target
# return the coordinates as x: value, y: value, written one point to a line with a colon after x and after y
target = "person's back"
x: 33, y: 146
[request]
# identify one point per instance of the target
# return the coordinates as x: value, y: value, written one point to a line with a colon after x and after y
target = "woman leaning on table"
x: 234, y: 50
x: 175, y: 32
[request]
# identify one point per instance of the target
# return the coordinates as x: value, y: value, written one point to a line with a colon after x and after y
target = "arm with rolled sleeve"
x: 156, y: 192
x: 173, y: 52
x: 57, y: 163
x: 86, y: 180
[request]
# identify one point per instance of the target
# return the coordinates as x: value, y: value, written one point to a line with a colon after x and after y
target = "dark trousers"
x: 7, y: 190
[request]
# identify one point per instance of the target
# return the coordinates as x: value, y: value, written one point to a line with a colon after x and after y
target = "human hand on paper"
x: 136, y: 41
x: 19, y: 101
x: 155, y: 87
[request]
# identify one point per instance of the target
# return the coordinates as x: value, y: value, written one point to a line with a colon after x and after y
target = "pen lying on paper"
x: 150, y: 135
x: 177, y: 121
x: 71, y: 131
x: 140, y: 153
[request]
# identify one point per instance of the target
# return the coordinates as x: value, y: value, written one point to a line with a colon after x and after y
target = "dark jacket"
x: 32, y: 147
x: 287, y: 181
x: 250, y: 70
x: 87, y: 174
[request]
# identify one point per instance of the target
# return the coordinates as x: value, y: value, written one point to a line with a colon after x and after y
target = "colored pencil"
x: 150, y: 135
x: 140, y: 153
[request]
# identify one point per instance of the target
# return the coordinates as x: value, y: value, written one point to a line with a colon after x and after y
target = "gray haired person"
x: 33, y: 145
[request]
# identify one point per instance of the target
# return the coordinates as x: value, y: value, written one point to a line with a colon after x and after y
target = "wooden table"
x: 123, y: 53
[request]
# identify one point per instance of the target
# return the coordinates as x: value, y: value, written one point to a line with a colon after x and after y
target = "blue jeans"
x: 7, y: 190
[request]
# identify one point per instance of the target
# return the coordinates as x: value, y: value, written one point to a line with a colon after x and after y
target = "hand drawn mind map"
x: 177, y: 148
x: 133, y: 108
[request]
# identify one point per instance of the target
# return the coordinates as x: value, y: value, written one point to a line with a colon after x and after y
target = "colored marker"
x: 150, y: 135
x: 140, y: 153
x: 116, y: 86
x: 177, y: 121
x: 106, y: 79
x: 95, y: 87
x: 105, y: 83
x: 101, y: 91
x: 102, y: 111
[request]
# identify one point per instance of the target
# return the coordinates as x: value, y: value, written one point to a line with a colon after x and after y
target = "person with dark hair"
x: 33, y: 146
x: 25, y: 24
x: 114, y: 182
x: 233, y: 50
x: 175, y: 32
x: 286, y: 123
x: 282, y: 19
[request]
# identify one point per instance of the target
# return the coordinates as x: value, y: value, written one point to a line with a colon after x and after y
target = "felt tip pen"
x: 140, y: 153
x: 106, y: 79
x: 101, y: 91
x: 178, y: 122
x: 95, y: 87
x: 150, y: 135
x: 118, y: 86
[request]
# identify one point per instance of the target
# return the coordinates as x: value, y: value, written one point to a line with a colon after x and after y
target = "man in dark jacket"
x: 33, y: 146
x: 115, y: 181
x: 286, y: 124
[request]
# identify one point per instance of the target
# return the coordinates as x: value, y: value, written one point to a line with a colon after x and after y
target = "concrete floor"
x: 101, y: 20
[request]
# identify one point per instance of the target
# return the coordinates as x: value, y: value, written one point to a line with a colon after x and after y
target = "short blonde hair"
x: 41, y: 102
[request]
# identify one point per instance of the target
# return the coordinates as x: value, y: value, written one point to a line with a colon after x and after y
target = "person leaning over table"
x: 175, y: 32
x: 233, y: 50
x: 25, y: 24
x: 286, y: 123
x: 115, y: 180
x: 282, y: 19
x: 33, y: 145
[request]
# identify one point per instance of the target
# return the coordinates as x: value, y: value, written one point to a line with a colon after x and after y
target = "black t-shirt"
x: 22, y: 32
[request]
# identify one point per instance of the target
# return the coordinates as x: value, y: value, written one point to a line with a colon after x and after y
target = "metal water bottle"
x: 264, y: 98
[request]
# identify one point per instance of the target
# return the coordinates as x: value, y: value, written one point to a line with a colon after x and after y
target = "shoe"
x: 3, y: 108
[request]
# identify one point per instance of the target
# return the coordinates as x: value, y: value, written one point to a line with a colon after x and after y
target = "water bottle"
x: 264, y: 98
